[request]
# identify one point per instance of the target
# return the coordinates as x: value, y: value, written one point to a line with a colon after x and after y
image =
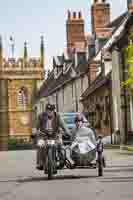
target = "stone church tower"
x: 18, y: 84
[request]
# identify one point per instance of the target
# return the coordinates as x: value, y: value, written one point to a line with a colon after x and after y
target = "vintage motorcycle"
x: 55, y: 155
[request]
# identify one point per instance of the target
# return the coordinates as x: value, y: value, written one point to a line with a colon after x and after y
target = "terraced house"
x: 75, y: 70
x: 96, y: 71
x: 68, y: 78
x: 107, y: 105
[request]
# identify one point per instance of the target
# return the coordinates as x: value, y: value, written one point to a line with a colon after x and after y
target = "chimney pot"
x: 69, y: 14
x: 74, y: 15
x: 80, y: 15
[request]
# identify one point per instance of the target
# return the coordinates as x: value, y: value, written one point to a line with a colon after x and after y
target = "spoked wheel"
x: 62, y: 158
x: 68, y: 164
x: 68, y: 160
x: 100, y: 164
x: 104, y: 162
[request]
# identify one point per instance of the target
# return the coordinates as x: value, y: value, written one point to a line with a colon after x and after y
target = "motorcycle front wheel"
x: 50, y: 164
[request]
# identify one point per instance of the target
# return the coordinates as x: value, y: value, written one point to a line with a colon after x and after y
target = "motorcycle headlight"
x: 41, y: 143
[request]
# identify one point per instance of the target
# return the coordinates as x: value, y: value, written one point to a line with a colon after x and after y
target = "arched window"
x: 23, y: 97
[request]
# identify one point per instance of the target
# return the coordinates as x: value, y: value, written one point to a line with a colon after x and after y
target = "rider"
x: 46, y: 120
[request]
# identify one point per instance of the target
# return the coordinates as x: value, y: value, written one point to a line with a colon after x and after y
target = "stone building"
x: 96, y: 99
x: 97, y: 104
x: 122, y: 61
x: 103, y: 97
x: 19, y: 80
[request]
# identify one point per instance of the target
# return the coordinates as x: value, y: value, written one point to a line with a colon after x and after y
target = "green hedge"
x: 19, y: 144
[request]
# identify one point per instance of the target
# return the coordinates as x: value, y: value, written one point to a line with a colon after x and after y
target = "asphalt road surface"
x: 19, y: 180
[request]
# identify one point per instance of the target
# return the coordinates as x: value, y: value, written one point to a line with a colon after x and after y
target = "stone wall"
x: 4, y: 125
x: 20, y: 117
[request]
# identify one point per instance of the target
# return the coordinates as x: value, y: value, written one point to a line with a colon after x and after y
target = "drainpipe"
x: 57, y: 107
x: 125, y: 100
x: 76, y: 96
x: 110, y: 111
x: 116, y: 94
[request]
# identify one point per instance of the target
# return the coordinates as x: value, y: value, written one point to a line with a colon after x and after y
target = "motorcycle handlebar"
x: 45, y: 133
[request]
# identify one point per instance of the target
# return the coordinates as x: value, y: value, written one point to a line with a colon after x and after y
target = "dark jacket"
x: 58, y: 122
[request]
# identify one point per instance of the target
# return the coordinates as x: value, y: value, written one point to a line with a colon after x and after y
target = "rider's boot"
x: 69, y: 162
x: 39, y: 167
x: 39, y: 162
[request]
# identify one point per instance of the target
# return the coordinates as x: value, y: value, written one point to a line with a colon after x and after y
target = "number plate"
x: 51, y: 142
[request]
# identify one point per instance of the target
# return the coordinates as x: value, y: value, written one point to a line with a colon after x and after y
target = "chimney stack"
x: 74, y: 30
x: 130, y: 6
x: 100, y: 15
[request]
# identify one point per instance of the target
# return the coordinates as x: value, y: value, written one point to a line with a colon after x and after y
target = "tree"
x: 128, y: 61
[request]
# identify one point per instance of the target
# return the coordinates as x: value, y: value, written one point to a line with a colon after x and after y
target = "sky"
x: 27, y: 20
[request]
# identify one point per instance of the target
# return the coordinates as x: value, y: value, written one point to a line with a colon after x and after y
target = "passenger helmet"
x: 78, y: 118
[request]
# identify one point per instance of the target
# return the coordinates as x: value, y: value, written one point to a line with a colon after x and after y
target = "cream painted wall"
x: 67, y: 101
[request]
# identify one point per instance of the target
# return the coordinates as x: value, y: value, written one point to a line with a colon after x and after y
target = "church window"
x: 23, y: 97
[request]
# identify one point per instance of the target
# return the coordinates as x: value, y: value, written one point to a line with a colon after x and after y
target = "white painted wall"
x: 108, y: 67
x: 116, y: 95
x: 85, y: 83
x: 68, y: 103
x: 60, y: 100
x: 68, y: 98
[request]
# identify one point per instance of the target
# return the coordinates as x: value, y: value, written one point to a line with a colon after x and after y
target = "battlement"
x: 22, y: 69
x: 20, y: 64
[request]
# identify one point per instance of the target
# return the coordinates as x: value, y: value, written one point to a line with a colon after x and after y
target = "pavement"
x: 124, y: 148
x: 128, y: 148
x: 19, y: 180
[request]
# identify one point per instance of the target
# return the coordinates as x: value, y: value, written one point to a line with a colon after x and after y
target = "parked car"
x: 69, y: 119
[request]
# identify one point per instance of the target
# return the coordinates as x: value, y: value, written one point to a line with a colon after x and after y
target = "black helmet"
x: 50, y: 107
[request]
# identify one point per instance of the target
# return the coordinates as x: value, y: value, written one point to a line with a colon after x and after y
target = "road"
x: 19, y: 180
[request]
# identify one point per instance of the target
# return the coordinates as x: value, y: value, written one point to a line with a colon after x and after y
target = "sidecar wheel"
x: 100, y: 166
x: 100, y: 170
x: 104, y: 162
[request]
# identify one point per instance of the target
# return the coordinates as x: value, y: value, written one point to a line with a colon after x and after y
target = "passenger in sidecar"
x: 83, y: 148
